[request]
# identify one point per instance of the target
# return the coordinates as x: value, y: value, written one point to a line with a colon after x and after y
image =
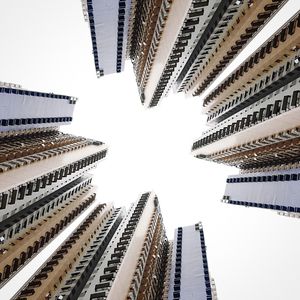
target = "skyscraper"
x: 254, y: 115
x: 230, y: 29
x: 25, y: 111
x: 45, y: 282
x: 115, y: 254
x: 132, y: 267
x: 44, y: 183
x: 188, y: 275
x: 192, y: 35
x: 180, y: 45
x: 108, y: 21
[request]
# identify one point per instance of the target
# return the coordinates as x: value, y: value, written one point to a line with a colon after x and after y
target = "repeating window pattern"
x: 140, y: 268
x: 26, y: 121
x: 82, y: 270
x: 16, y: 91
x: 281, y: 75
x: 21, y: 191
x: 87, y: 263
x: 277, y: 154
x: 45, y: 282
x: 178, y: 265
x: 189, y: 275
x: 26, y: 146
x: 224, y: 14
x: 25, y: 217
x: 39, y: 201
x: 141, y: 13
x: 24, y: 109
x: 281, y: 208
x: 121, y: 12
x: 256, y: 144
x: 120, y: 41
x: 168, y: 267
x: 147, y: 14
x: 181, y: 44
x: 131, y: 22
x: 26, y: 131
x: 209, y: 292
x: 113, y: 265
x: 158, y: 31
x: 281, y: 44
x: 29, y: 159
x: 246, y: 25
x: 99, y: 71
x: 32, y: 239
x: 149, y: 274
x: 265, y: 178
x: 286, y: 101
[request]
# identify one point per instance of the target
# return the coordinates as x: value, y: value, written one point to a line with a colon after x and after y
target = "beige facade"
x: 44, y: 184
x: 245, y: 24
x: 121, y: 284
x: 44, y: 284
x: 258, y: 101
x: 15, y: 252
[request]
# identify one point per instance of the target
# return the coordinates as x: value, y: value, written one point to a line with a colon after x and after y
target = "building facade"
x: 118, y: 254
x: 232, y: 26
x: 108, y: 21
x: 199, y: 39
x: 188, y: 275
x: 254, y: 118
x: 272, y: 189
x: 132, y: 267
x: 29, y: 111
x: 173, y: 45
x: 44, y: 283
x: 44, y: 184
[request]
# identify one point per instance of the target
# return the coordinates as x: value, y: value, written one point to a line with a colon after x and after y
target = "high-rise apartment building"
x: 192, y: 34
x: 231, y: 27
x: 25, y: 111
x: 47, y: 279
x: 180, y: 45
x: 44, y: 183
x: 115, y: 254
x: 108, y: 21
x: 271, y: 189
x: 188, y: 275
x: 254, y: 114
x: 132, y: 265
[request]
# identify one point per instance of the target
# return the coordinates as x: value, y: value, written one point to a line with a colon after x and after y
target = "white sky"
x: 253, y: 254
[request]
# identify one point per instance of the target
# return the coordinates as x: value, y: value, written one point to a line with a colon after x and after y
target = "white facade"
x: 189, y: 277
x: 108, y: 20
x: 272, y: 189
x: 23, y: 110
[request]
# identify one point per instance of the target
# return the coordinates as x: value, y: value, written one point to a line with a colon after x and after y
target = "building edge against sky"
x: 44, y: 181
x: 254, y: 114
x: 45, y: 187
x: 57, y: 164
x: 173, y: 45
x: 118, y: 254
x: 185, y: 45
